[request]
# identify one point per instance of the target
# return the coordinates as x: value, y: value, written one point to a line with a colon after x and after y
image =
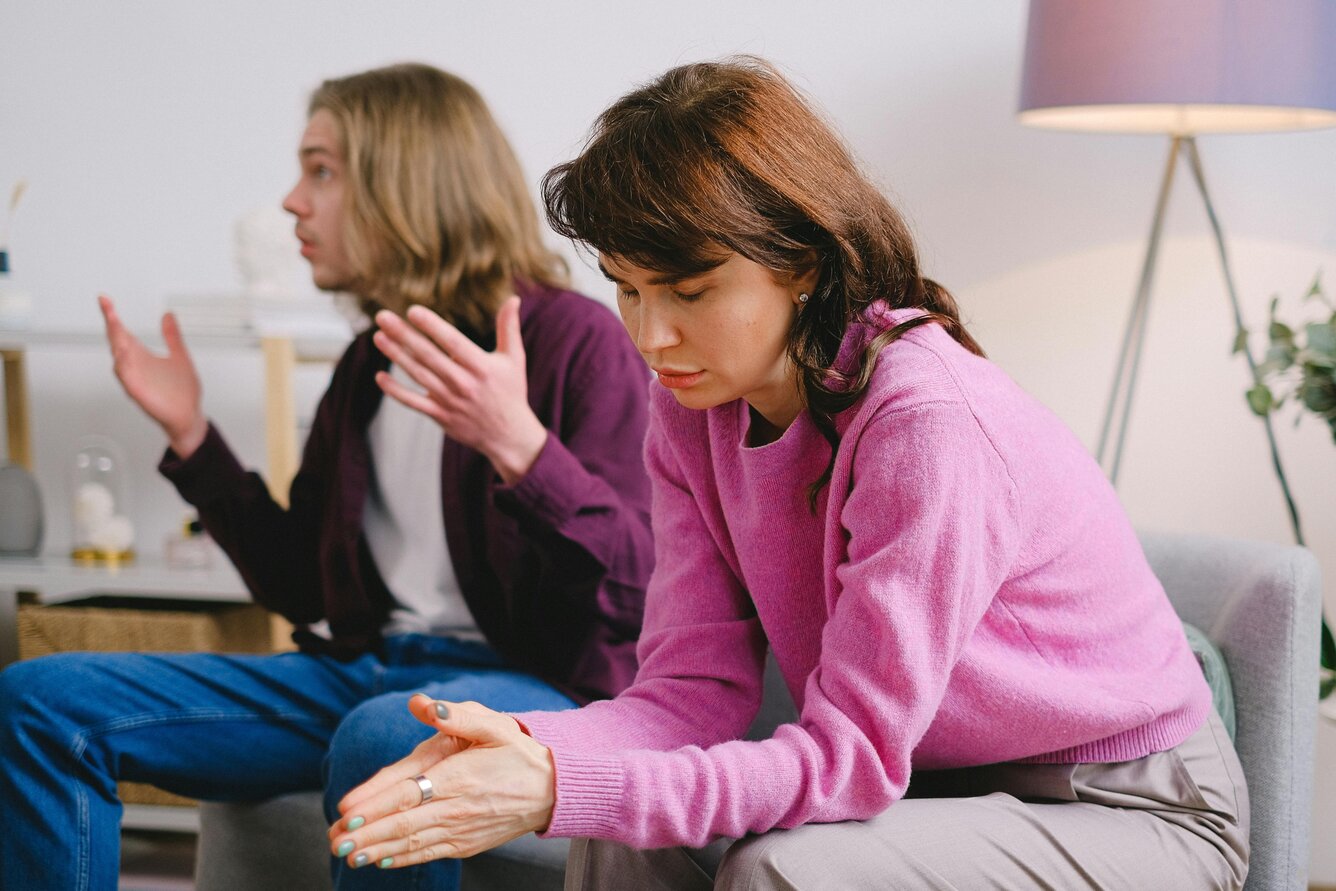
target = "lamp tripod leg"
x: 1123, y: 389
x: 1199, y: 177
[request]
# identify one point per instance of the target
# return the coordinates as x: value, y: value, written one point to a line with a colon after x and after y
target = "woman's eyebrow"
x: 664, y: 279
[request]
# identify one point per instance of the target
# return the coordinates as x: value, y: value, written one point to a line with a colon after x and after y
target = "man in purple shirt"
x: 483, y: 535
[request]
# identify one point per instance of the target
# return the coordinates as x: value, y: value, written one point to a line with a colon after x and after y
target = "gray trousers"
x: 1175, y: 819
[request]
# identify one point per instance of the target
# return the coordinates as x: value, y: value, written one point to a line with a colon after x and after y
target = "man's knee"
x: 35, y: 688
x: 378, y: 732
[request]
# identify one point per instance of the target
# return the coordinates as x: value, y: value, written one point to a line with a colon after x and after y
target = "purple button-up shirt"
x: 553, y: 567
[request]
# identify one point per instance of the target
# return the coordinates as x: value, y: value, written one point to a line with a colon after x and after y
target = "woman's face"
x: 718, y: 336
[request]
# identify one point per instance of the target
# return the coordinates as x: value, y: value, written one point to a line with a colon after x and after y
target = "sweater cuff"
x: 211, y: 472
x: 551, y: 490
x: 589, y: 796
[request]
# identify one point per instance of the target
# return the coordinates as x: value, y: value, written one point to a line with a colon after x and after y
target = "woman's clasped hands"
x: 478, y: 783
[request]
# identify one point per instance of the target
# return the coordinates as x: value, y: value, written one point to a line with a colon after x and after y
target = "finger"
x: 389, y: 813
x: 430, y: 832
x: 443, y: 379
x: 171, y: 335
x: 401, y: 342
x: 392, y: 789
x: 508, y: 329
x: 118, y: 335
x: 446, y: 336
x: 469, y: 721
x: 412, y: 399
x: 116, y: 332
x: 425, y: 755
x: 417, y: 836
x: 443, y: 354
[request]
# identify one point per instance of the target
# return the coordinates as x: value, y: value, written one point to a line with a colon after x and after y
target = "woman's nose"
x: 656, y: 330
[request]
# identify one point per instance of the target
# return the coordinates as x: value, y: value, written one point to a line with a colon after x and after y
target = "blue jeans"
x: 219, y: 728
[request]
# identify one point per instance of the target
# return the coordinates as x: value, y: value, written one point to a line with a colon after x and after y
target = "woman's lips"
x: 678, y: 381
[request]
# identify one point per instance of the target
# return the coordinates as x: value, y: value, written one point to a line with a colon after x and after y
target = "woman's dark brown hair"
x: 727, y: 157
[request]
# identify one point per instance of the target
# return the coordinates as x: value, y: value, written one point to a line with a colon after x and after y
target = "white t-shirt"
x: 404, y: 526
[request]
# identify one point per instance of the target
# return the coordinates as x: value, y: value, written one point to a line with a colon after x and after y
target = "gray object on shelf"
x: 20, y: 512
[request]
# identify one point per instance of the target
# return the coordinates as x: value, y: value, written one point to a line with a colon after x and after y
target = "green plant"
x: 1300, y: 367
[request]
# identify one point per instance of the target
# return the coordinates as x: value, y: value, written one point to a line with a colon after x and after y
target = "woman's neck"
x: 762, y: 431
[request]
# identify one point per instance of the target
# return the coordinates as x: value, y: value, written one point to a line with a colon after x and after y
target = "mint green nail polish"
x: 360, y: 860
x: 387, y: 863
x: 356, y: 823
x: 346, y: 848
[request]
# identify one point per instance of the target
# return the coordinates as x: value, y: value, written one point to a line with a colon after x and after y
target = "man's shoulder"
x: 563, y: 321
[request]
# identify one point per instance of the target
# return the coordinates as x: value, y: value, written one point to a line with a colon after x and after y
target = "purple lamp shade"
x: 1180, y: 66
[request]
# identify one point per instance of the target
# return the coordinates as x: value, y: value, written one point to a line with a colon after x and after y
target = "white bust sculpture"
x: 268, y: 256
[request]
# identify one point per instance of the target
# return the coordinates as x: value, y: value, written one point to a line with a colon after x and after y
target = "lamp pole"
x: 1123, y: 389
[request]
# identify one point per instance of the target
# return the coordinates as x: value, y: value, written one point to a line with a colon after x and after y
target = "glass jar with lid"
x: 103, y: 532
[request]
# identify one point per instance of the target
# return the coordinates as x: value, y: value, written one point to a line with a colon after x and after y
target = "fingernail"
x: 387, y: 863
x: 356, y: 823
x: 346, y: 848
x: 360, y: 860
x: 442, y: 712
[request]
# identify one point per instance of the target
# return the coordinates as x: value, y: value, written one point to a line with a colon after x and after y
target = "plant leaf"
x: 1260, y: 400
x: 1315, y: 363
x: 1322, y: 338
x: 1318, y: 395
x: 1240, y: 341
x: 1315, y: 289
x: 1280, y: 356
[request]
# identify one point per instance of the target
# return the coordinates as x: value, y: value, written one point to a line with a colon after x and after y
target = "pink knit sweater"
x: 969, y: 592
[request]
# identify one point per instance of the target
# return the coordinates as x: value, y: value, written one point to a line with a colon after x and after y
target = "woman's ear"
x: 805, y: 281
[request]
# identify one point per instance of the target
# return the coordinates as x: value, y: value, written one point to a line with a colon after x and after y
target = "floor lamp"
x: 1180, y: 68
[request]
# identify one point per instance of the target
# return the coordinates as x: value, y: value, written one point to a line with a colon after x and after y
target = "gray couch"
x: 1258, y: 602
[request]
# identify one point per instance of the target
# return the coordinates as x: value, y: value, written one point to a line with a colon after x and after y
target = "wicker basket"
x: 123, y: 625
x: 119, y: 624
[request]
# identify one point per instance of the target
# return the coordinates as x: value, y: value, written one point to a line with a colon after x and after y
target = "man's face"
x: 317, y: 201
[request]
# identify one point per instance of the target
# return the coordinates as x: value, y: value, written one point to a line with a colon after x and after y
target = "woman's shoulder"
x: 924, y: 365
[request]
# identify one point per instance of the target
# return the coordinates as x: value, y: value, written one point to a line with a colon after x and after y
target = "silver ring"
x: 425, y: 785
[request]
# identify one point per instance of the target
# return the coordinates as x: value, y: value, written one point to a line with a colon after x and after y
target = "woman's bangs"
x: 623, y: 205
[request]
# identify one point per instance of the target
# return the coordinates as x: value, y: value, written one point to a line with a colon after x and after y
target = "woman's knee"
x: 810, y: 856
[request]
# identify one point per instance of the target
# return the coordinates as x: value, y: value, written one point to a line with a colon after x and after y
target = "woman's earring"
x: 803, y: 298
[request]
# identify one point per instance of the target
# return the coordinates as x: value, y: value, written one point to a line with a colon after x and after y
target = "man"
x: 482, y: 536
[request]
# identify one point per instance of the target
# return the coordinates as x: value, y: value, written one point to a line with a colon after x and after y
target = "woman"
x: 492, y: 546
x: 993, y: 688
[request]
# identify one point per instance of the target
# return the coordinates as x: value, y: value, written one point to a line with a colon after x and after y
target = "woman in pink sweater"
x: 993, y: 688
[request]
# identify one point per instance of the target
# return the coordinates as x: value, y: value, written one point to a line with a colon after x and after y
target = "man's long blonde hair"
x: 438, y: 211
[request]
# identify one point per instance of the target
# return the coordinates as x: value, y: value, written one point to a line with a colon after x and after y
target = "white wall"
x: 147, y: 128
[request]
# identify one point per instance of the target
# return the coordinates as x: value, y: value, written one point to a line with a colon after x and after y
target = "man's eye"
x: 623, y: 294
x: 688, y: 298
